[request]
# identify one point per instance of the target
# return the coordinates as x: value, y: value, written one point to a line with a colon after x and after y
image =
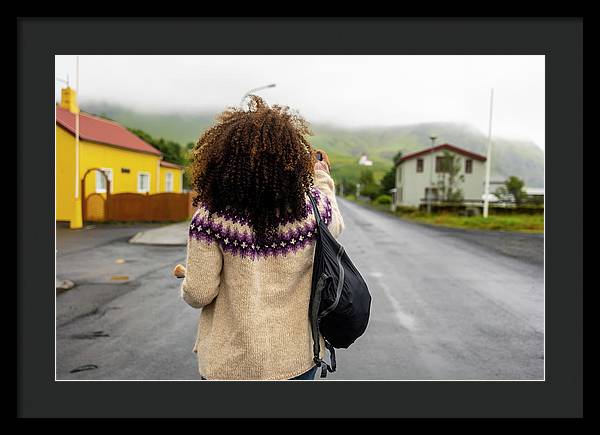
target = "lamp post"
x: 429, y: 191
x: 272, y: 85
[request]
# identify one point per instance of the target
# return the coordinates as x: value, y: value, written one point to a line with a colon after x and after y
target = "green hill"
x: 509, y: 157
x: 345, y: 145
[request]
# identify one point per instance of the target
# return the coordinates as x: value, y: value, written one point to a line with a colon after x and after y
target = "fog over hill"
x: 345, y: 145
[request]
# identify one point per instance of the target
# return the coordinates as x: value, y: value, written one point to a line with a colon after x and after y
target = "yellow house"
x: 171, y: 177
x: 132, y: 165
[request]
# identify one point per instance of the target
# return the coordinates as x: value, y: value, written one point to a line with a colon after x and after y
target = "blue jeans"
x: 308, y: 376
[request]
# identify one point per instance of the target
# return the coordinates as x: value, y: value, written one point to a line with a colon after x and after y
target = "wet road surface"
x: 446, y: 305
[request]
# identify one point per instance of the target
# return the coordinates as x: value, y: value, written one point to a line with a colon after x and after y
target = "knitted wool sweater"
x: 254, y: 323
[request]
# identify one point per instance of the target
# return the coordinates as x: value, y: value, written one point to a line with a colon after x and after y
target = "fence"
x: 137, y: 207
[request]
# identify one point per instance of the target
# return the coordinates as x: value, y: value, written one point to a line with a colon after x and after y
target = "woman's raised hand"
x: 323, y: 164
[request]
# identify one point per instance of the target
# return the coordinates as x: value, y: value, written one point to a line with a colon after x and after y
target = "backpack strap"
x: 314, y: 314
x: 331, y: 355
x: 315, y: 209
x: 324, y: 366
x: 314, y: 318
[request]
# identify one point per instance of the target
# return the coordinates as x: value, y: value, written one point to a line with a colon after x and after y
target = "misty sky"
x: 352, y: 91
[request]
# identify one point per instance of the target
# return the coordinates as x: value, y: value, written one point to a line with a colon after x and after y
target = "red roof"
x: 94, y: 129
x: 446, y: 146
x: 170, y: 165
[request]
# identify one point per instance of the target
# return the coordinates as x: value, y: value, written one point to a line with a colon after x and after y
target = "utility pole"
x: 430, y: 190
x: 488, y: 162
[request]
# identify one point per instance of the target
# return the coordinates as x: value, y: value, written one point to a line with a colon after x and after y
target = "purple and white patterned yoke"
x: 243, y: 244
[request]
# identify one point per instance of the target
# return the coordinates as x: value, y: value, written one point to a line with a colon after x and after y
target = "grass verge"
x: 515, y: 222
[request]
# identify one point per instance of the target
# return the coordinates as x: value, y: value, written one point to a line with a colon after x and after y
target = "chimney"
x: 68, y: 100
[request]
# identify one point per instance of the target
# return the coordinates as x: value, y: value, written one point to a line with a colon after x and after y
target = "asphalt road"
x: 447, y: 305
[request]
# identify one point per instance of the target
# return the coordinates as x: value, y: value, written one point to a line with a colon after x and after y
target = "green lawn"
x: 517, y: 222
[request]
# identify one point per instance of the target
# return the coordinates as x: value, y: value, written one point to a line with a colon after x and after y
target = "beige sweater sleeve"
x: 203, y: 272
x: 324, y: 182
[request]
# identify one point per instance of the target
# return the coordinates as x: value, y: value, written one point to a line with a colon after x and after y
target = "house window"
x: 101, y: 181
x: 419, y: 165
x: 468, y: 166
x: 143, y: 182
x: 169, y: 182
x: 442, y: 164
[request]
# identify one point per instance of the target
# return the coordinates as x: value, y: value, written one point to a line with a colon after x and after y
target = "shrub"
x: 371, y: 190
x: 383, y: 199
x: 351, y: 197
x: 406, y: 209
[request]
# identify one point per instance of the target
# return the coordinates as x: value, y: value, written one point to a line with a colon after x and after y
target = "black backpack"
x: 340, y: 301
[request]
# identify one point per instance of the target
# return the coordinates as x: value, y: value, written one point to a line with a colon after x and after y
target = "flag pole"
x: 77, y: 220
x: 77, y: 129
x: 488, y: 163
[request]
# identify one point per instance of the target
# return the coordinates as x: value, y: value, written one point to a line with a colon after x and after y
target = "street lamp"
x: 430, y: 190
x: 272, y: 85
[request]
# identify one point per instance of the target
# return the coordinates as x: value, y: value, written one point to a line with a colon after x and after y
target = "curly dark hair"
x: 257, y: 163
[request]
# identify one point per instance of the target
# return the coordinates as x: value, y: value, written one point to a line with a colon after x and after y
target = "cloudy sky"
x: 346, y: 90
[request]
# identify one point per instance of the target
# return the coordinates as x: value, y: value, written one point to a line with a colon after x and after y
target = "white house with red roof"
x: 418, y: 175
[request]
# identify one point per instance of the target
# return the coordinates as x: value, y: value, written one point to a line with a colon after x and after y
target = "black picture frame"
x: 560, y: 40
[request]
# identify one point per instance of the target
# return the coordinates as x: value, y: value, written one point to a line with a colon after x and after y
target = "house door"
x: 94, y: 205
x: 94, y: 208
x: 433, y: 192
